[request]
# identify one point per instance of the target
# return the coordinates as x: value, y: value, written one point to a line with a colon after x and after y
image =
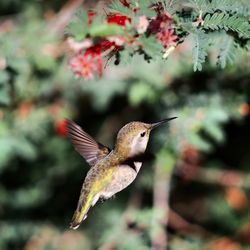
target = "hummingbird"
x: 111, y: 170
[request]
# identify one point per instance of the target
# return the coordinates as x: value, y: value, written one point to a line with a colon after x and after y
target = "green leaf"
x: 151, y: 46
x: 125, y: 55
x: 24, y: 148
x: 227, y: 53
x: 5, y: 88
x: 76, y: 30
x: 144, y: 9
x: 199, y: 4
x: 215, y: 131
x: 104, y: 30
x: 6, y: 151
x: 140, y: 92
x: 227, y: 6
x: 200, y: 49
x: 78, y: 27
x: 118, y: 7
x: 43, y: 62
x: 102, y: 91
x: 227, y: 22
x: 199, y: 142
x: 4, y: 77
x: 166, y: 160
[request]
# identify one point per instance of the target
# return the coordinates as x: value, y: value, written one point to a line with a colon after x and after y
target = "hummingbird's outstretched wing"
x: 91, y: 150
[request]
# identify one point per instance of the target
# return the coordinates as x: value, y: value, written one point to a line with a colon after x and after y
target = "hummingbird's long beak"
x: 156, y: 124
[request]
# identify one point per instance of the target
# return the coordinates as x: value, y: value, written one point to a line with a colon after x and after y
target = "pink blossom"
x: 167, y: 38
x: 83, y: 66
x: 142, y: 24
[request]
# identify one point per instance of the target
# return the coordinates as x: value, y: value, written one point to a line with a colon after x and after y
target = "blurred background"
x: 205, y: 152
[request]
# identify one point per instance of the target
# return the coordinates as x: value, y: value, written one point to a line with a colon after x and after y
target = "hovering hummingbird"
x: 111, y: 170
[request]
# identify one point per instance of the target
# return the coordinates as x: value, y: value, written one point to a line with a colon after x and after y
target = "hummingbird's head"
x: 132, y: 139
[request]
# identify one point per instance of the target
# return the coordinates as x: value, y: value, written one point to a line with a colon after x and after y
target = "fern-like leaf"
x: 227, y: 22
x: 227, y: 53
x: 200, y: 49
x: 231, y: 6
x: 144, y: 8
x: 199, y: 5
x: 151, y: 46
x: 78, y: 26
x: 117, y: 7
x: 149, y: 12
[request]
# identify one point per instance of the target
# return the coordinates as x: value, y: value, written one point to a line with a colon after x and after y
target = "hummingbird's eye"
x: 143, y: 134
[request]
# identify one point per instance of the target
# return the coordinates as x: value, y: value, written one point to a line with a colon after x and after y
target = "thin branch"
x: 160, y: 202
x: 182, y: 226
x: 214, y: 175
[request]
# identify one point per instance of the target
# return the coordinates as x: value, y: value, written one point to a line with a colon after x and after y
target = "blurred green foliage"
x: 41, y: 175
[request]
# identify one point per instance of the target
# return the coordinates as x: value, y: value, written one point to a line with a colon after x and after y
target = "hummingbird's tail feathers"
x: 76, y: 220
x: 84, y: 203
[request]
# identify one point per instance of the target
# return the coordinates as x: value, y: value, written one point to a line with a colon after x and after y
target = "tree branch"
x: 213, y: 175
x: 160, y: 205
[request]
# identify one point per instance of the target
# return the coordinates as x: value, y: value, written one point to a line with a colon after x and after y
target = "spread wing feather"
x: 91, y: 150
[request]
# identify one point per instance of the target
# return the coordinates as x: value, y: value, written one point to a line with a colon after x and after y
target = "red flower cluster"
x: 87, y: 64
x: 118, y: 19
x: 90, y: 62
x: 162, y: 27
